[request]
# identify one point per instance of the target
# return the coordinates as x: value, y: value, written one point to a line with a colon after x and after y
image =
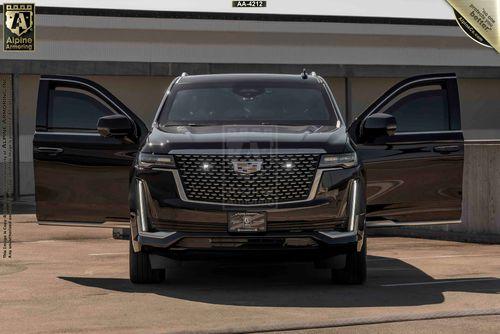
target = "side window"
x: 75, y: 110
x: 421, y: 111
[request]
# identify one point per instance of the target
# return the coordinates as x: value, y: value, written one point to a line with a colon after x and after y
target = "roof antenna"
x: 303, y: 74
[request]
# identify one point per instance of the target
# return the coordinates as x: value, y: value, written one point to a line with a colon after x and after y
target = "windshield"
x: 252, y: 103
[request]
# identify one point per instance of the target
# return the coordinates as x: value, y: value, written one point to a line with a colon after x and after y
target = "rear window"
x: 256, y: 103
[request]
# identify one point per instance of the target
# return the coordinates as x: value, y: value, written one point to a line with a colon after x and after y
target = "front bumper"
x: 169, y: 239
x: 340, y: 197
x: 293, y: 247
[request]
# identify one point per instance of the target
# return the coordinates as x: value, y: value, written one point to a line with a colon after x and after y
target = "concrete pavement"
x: 76, y: 280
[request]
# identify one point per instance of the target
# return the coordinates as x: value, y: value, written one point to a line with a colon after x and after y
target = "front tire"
x: 140, y: 268
x: 354, y: 271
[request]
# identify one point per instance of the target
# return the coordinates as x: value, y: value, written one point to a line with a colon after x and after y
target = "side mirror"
x: 378, y: 125
x: 114, y: 126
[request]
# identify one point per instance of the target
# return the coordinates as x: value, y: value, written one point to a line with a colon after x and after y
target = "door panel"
x: 80, y: 176
x: 408, y: 181
x: 415, y: 175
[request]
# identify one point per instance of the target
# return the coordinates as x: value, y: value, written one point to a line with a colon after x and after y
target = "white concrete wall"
x: 61, y: 37
x: 481, y: 189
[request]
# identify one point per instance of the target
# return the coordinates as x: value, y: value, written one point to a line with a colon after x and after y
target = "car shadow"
x: 297, y: 285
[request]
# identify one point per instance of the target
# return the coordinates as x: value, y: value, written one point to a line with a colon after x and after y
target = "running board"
x: 107, y: 224
x: 390, y: 223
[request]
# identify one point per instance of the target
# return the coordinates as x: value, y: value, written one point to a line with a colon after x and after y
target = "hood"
x: 330, y: 139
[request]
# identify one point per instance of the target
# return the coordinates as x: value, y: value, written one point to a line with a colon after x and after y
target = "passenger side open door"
x: 411, y: 144
x: 81, y: 176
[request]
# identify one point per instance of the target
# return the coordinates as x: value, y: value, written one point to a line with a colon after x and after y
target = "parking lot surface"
x: 75, y: 280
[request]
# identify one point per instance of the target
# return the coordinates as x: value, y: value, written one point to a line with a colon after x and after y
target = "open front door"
x: 414, y: 174
x: 81, y: 177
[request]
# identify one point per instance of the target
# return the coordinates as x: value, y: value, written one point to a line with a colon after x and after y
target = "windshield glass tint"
x: 248, y: 104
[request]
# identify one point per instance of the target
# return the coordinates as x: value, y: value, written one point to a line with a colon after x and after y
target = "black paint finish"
x: 414, y: 177
x: 83, y: 177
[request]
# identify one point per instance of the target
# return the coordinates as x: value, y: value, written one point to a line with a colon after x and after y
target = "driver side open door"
x: 81, y: 177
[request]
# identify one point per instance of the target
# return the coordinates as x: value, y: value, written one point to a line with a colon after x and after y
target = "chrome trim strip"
x: 68, y: 133
x: 157, y: 235
x: 351, y: 226
x: 481, y: 141
x: 337, y: 234
x: 142, y: 217
x: 106, y: 224
x: 426, y: 132
x: 224, y: 151
x: 182, y: 194
x: 390, y: 223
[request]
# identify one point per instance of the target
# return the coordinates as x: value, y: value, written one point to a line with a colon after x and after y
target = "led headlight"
x: 148, y: 160
x: 344, y: 160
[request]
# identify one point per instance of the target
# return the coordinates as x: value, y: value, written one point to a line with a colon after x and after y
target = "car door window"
x: 422, y: 111
x: 75, y: 111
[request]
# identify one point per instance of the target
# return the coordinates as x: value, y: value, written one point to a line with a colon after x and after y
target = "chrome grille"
x: 273, y: 183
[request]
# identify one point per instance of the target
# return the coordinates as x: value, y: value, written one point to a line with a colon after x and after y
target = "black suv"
x: 248, y: 164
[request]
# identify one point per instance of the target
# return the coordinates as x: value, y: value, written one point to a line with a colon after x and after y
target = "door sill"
x: 107, y: 224
x: 391, y: 223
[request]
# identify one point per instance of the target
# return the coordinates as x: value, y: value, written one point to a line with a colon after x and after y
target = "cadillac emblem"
x: 247, y: 167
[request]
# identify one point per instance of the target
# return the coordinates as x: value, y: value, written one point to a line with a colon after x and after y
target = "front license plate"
x: 247, y: 222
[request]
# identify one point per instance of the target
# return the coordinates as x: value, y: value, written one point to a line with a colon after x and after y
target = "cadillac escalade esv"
x: 248, y: 165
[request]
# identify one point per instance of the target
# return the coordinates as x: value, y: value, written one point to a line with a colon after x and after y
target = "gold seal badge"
x: 479, y: 20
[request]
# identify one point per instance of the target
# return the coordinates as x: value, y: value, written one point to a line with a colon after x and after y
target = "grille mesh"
x: 274, y: 183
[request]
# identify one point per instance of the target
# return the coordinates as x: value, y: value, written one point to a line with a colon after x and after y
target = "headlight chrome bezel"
x: 342, y: 160
x: 150, y: 160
